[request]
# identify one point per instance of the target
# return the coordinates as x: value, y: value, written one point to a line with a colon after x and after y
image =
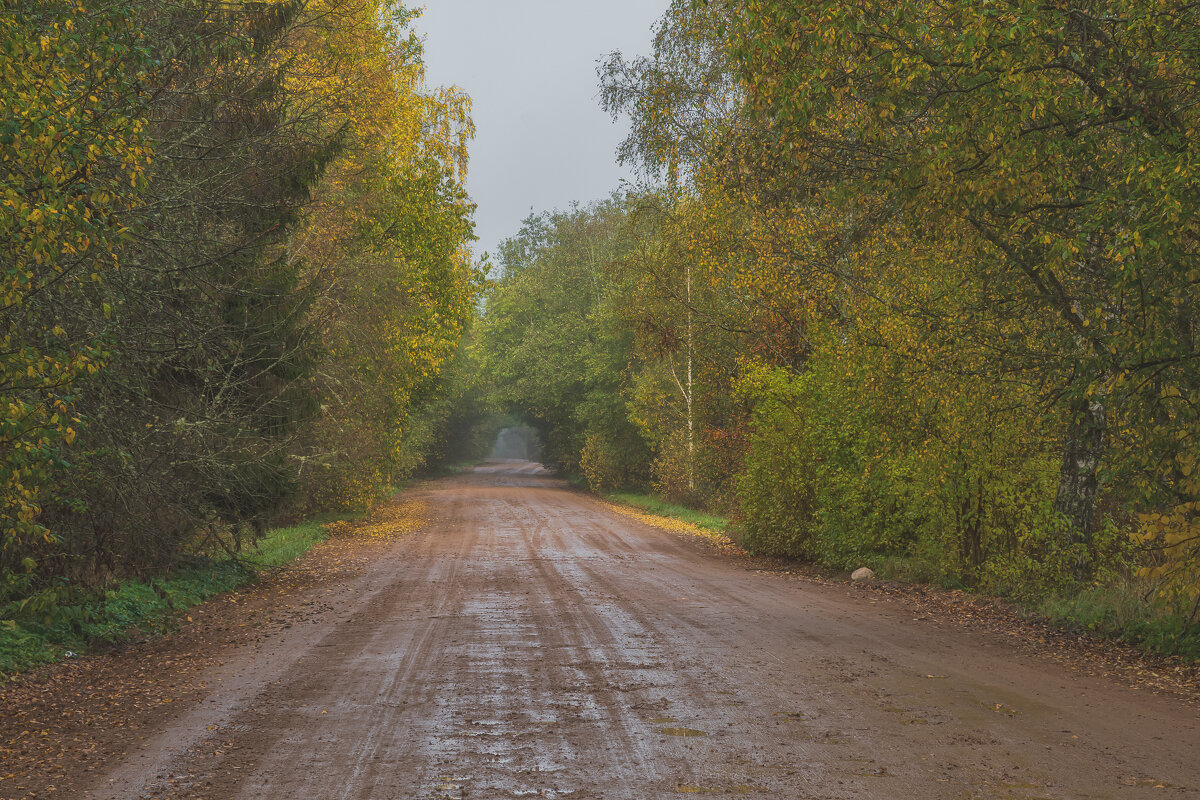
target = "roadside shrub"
x: 1129, y: 608
x: 777, y: 490
x: 610, y: 464
x: 851, y: 465
x: 671, y: 475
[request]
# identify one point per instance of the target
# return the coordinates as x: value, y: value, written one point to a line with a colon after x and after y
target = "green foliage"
x: 235, y: 241
x: 37, y: 628
x: 608, y: 464
x: 553, y: 350
x: 777, y: 490
x: 847, y: 469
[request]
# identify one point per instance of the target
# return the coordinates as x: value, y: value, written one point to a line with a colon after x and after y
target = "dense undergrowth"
x: 32, y: 633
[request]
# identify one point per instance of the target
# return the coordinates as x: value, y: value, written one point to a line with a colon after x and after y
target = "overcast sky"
x: 542, y: 140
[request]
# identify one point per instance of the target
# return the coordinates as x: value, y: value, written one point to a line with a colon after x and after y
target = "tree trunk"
x: 1078, y: 481
x: 691, y: 422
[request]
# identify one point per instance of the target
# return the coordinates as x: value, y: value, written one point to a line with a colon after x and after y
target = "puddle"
x: 447, y: 787
x: 682, y: 732
x: 663, y: 720
x: 1150, y: 783
x: 791, y: 716
x: 739, y: 789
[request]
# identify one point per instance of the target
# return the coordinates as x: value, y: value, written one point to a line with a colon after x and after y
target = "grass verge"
x: 57, y: 622
x: 662, y: 508
x: 1124, y: 610
x: 679, y: 519
x: 1128, y: 611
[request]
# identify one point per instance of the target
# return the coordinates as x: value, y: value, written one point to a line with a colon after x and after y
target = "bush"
x: 610, y: 464
x: 672, y: 476
x: 849, y: 466
x: 778, y: 491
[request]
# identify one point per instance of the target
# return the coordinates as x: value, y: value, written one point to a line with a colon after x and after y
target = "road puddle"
x: 447, y: 787
x: 696, y: 789
x: 682, y: 732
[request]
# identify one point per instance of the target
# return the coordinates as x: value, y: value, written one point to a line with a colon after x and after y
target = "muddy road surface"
x: 529, y: 642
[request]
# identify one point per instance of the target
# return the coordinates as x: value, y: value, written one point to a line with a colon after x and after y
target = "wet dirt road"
x: 529, y: 642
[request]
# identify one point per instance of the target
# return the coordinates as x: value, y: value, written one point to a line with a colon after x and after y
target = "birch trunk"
x: 691, y: 423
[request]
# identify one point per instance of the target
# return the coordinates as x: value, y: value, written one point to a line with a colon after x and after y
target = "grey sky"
x: 542, y: 141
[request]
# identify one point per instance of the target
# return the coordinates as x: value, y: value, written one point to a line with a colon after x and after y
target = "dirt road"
x: 528, y: 642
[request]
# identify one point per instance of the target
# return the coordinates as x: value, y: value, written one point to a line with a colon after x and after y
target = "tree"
x: 73, y: 150
x: 293, y: 271
x: 1060, y: 138
x: 554, y: 350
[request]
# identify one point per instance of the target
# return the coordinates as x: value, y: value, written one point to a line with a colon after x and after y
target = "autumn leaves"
x: 235, y: 252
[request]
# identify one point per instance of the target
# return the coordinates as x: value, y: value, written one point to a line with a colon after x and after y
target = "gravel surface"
x: 525, y: 640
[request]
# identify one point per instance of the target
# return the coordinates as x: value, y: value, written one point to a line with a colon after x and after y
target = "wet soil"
x: 528, y: 641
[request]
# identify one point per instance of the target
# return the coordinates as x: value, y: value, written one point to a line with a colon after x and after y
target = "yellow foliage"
x: 386, y: 521
x: 69, y: 169
x: 1173, y: 538
x: 384, y: 242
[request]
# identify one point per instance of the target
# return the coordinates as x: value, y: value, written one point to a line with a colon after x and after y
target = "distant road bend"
x: 529, y: 642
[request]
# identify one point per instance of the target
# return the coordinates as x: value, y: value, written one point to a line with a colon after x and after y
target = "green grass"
x: 284, y: 545
x: 655, y: 505
x: 1126, y: 610
x: 70, y: 620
